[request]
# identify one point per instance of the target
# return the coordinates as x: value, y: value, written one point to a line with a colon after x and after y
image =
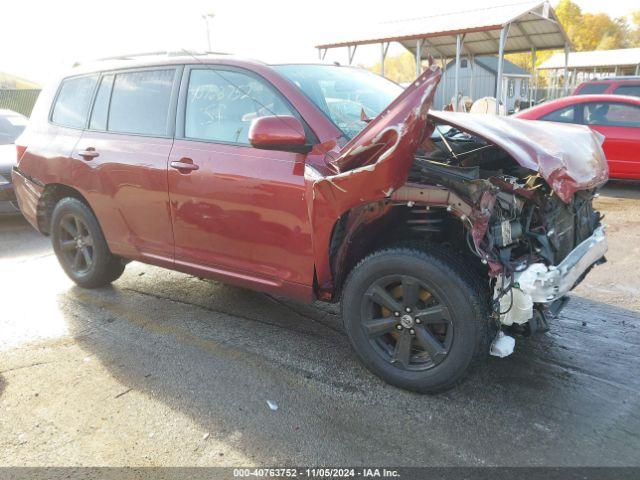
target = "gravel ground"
x: 163, y: 369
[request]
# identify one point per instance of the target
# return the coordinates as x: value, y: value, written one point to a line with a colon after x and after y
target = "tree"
x: 600, y: 32
x: 400, y: 68
x: 634, y: 35
x: 570, y: 16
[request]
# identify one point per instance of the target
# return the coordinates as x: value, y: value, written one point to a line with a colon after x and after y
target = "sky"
x: 40, y: 40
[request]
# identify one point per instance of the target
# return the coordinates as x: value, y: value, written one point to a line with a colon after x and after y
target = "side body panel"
x: 241, y: 215
x: 126, y: 186
x: 622, y: 149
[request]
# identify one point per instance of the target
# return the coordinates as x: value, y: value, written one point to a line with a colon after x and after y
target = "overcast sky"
x: 39, y: 39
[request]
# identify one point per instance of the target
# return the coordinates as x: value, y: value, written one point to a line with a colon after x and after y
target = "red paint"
x: 269, y: 132
x: 610, y: 85
x: 568, y: 157
x: 622, y: 143
x: 371, y: 165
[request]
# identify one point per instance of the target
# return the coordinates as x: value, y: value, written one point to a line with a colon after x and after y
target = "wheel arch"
x: 51, y: 195
x: 367, y: 228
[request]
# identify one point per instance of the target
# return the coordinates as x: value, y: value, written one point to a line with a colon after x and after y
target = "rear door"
x: 238, y: 212
x: 127, y: 146
x: 620, y: 124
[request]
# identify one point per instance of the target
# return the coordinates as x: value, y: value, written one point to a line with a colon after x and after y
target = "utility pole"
x: 206, y: 17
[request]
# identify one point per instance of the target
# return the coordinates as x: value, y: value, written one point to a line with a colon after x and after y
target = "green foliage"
x: 597, y: 31
x: 400, y: 68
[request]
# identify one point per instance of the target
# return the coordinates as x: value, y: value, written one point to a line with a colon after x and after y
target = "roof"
x: 157, y: 59
x: 490, y: 62
x: 533, y: 24
x: 597, y: 58
x: 186, y: 57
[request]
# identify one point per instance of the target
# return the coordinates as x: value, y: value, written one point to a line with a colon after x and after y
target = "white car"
x: 11, y: 126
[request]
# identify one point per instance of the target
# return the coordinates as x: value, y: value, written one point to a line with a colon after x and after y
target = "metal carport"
x: 513, y: 28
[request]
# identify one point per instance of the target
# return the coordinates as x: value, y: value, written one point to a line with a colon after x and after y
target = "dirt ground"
x: 163, y: 369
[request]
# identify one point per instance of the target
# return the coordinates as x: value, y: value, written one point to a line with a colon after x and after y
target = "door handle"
x: 184, y: 165
x: 89, y: 153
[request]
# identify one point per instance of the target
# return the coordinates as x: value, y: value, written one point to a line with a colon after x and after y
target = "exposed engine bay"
x: 528, y: 230
x: 508, y: 201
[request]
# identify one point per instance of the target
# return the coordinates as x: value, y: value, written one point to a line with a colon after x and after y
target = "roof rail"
x: 167, y: 53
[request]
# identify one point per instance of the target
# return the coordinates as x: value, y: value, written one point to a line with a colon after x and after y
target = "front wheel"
x: 416, y: 319
x: 80, y: 245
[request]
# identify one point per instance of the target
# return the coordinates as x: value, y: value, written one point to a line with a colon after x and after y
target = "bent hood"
x: 568, y: 157
x: 377, y: 160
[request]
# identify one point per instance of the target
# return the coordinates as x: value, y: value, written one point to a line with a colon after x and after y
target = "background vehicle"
x: 614, y: 116
x: 628, y: 86
x: 264, y: 176
x: 11, y: 126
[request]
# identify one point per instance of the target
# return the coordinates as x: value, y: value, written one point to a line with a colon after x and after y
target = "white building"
x: 583, y: 66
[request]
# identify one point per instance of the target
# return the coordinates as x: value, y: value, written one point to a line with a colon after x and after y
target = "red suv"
x: 435, y: 230
x: 629, y: 86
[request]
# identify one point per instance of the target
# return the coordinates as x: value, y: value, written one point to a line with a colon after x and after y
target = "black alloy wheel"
x: 76, y: 243
x: 80, y: 245
x: 417, y: 317
x: 406, y: 323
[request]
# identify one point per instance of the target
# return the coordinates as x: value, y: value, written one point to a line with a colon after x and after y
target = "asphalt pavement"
x: 165, y: 369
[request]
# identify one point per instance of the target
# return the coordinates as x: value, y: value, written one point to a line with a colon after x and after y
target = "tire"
x: 80, y: 246
x: 447, y: 329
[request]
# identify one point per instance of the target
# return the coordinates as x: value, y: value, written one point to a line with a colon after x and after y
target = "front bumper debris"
x: 547, y: 284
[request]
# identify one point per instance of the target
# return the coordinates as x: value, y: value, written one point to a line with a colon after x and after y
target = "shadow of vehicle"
x: 622, y: 189
x: 218, y: 353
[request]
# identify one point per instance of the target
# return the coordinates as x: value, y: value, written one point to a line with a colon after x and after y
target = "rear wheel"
x: 80, y: 245
x: 416, y: 319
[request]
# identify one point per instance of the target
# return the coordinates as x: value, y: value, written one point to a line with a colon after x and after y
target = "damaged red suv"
x: 435, y: 230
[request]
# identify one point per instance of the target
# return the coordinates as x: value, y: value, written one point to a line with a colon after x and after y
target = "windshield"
x: 343, y: 93
x: 11, y: 126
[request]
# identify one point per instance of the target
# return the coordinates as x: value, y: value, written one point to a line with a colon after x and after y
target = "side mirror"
x: 278, y: 133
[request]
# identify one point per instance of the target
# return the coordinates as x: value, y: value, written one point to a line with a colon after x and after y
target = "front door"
x: 238, y: 212
x: 620, y: 124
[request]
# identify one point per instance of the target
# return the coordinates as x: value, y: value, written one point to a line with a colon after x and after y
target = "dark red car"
x: 627, y: 86
x: 434, y: 230
x: 614, y: 116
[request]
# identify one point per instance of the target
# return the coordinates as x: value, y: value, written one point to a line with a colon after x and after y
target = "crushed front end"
x: 511, y: 198
x: 526, y: 217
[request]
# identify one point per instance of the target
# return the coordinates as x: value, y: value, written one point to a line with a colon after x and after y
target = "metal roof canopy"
x: 513, y: 28
x: 623, y: 57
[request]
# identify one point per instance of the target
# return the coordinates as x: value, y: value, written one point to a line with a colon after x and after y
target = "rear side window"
x: 631, y: 90
x: 72, y: 103
x: 221, y: 105
x: 101, y: 104
x: 611, y: 114
x: 140, y: 102
x: 592, y: 88
x: 563, y: 115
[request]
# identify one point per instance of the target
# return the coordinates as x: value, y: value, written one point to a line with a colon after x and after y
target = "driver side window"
x: 611, y: 114
x: 221, y: 104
